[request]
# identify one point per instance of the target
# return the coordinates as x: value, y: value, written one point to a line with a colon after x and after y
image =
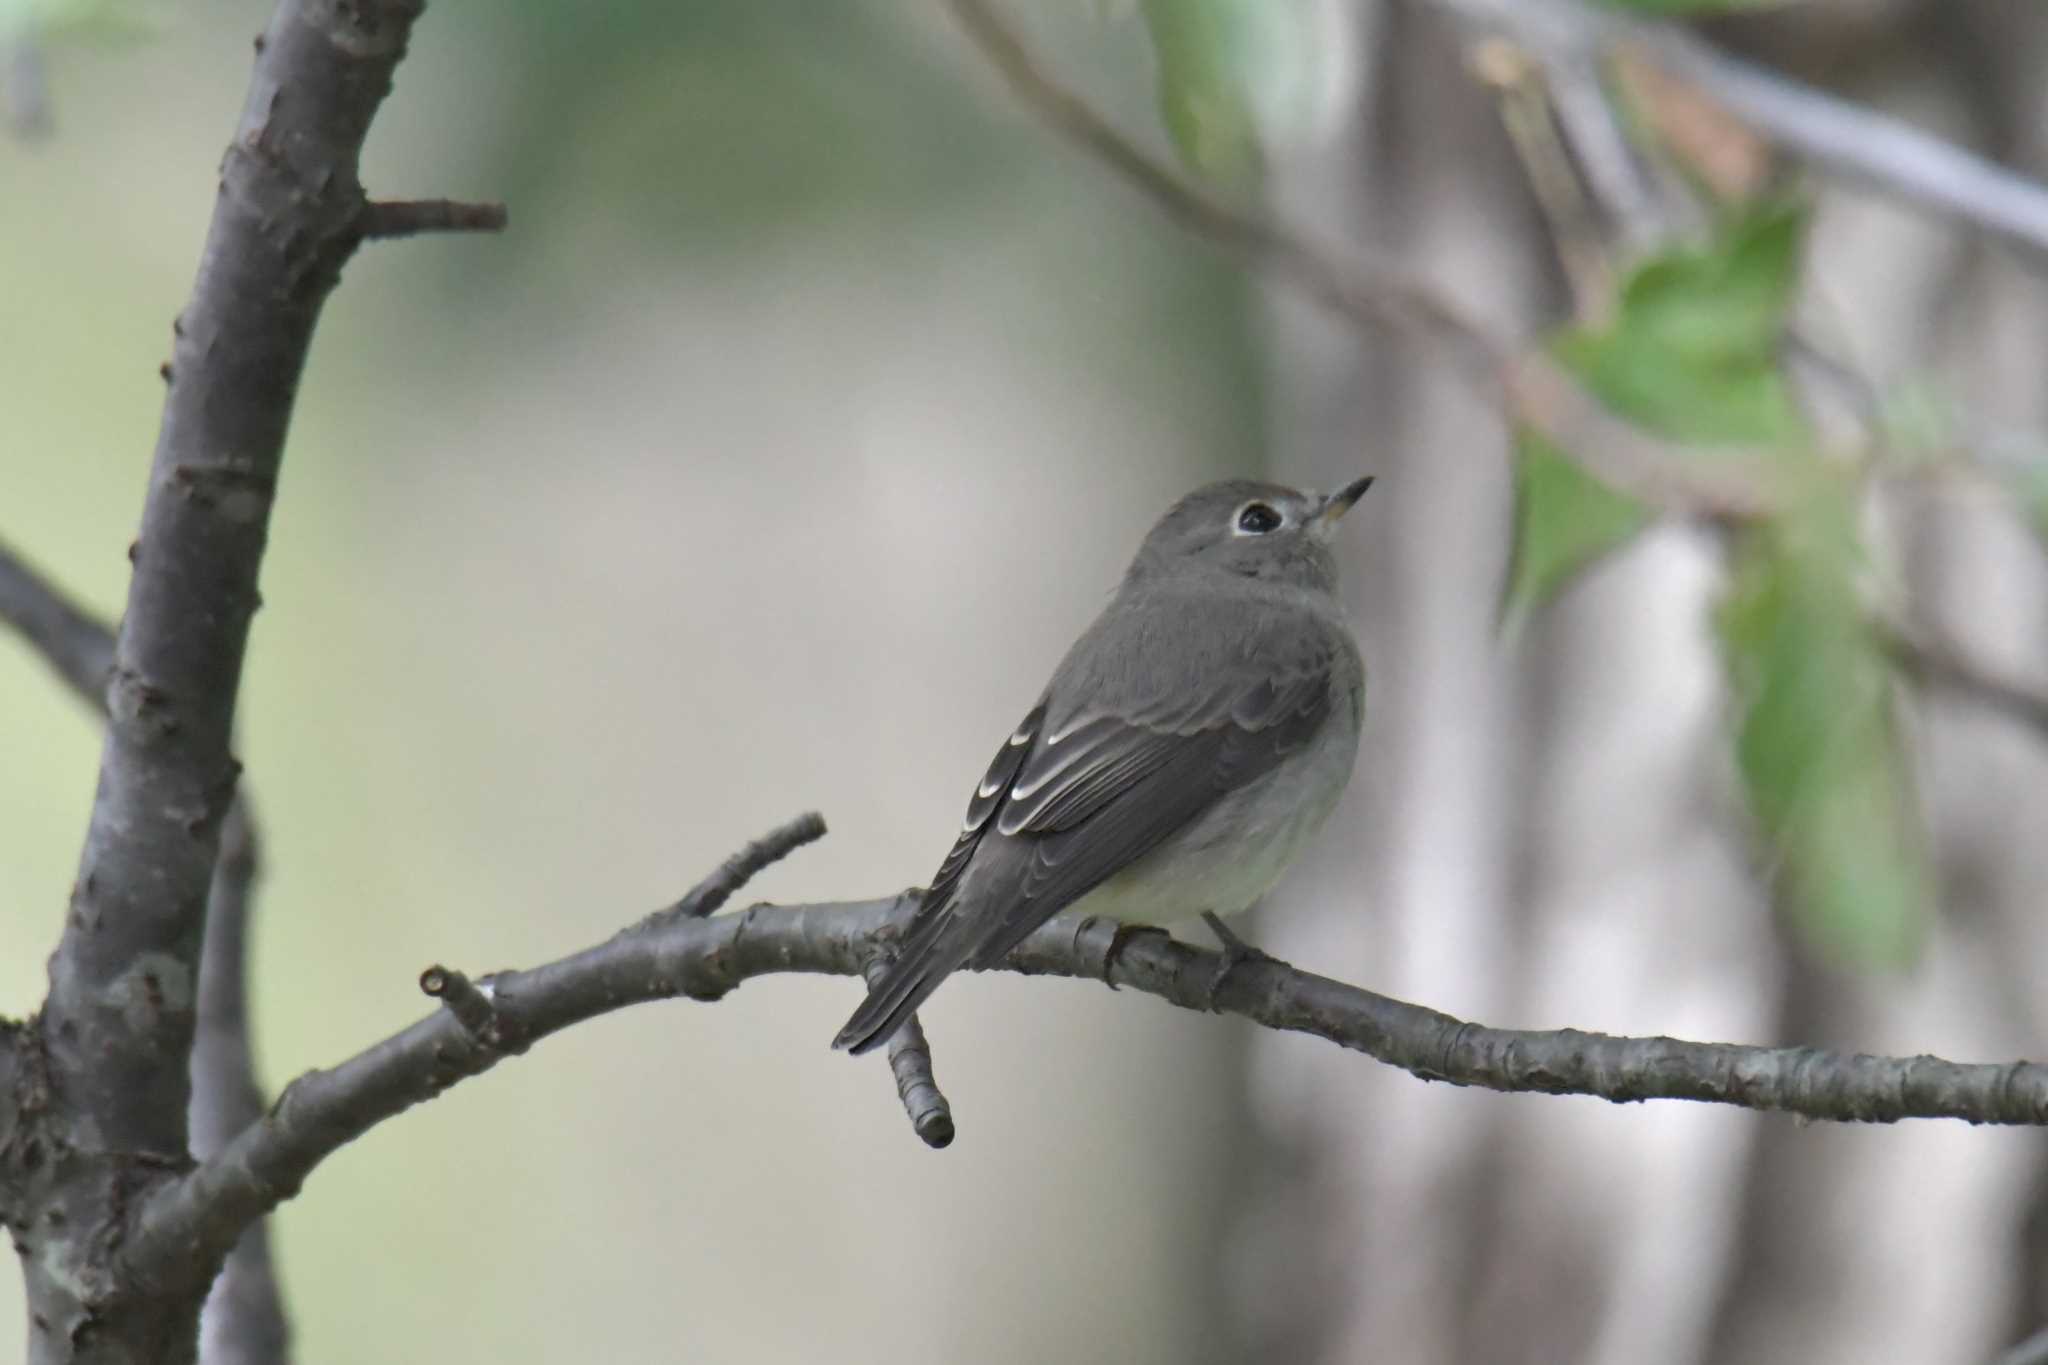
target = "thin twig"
x: 708, y: 896
x: 910, y: 1061
x: 469, y: 1003
x: 383, y: 219
x: 1525, y: 112
x: 198, y: 1215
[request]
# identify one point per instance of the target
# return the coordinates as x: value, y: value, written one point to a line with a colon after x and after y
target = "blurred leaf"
x: 1692, y: 352
x: 102, y: 21
x: 1819, y: 755
x: 1565, y: 519
x: 1205, y: 51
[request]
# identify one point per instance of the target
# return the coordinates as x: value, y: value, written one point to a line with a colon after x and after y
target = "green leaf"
x: 1816, y: 745
x: 1205, y: 51
x: 1692, y: 354
x: 1692, y: 351
x: 1565, y: 519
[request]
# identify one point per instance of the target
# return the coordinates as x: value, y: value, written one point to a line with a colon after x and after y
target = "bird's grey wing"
x: 936, y: 930
x: 1088, y: 797
x: 1073, y: 821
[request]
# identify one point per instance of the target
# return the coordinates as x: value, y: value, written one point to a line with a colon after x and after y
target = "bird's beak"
x: 1336, y: 504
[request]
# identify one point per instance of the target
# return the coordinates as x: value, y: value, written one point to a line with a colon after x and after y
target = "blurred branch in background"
x: 62, y: 633
x: 24, y: 84
x: 243, y: 1322
x: 1534, y: 390
x: 2032, y: 1351
x: 1842, y: 139
x: 1579, y: 158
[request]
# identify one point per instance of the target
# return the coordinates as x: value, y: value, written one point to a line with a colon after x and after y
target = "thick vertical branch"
x: 244, y: 1322
x: 120, y: 1015
x: 117, y: 1029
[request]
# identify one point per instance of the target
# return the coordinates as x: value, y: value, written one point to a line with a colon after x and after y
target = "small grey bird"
x: 1191, y: 742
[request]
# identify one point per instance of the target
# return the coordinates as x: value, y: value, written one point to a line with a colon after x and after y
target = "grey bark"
x: 200, y: 1215
x: 103, y: 1092
x: 243, y: 1323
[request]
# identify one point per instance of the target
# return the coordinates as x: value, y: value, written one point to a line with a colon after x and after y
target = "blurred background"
x: 813, y: 402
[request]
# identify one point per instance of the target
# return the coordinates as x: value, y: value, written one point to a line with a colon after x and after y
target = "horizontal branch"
x: 186, y: 1225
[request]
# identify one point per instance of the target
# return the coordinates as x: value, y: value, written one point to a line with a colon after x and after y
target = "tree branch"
x: 198, y: 1215
x: 2032, y: 1351
x: 69, y: 638
x: 243, y: 1322
x: 1939, y: 660
x: 382, y: 219
x: 119, y: 1019
x: 1843, y: 139
x: 114, y: 1041
x: 1376, y: 293
x: 707, y: 897
x: 1534, y: 390
x: 24, y: 84
x: 1595, y: 137
x: 910, y: 1062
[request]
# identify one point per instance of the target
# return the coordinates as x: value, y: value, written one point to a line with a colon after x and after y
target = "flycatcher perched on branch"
x: 1191, y: 742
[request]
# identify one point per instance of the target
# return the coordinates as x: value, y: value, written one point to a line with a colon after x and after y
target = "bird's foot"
x: 1236, y: 953
x: 1119, y: 939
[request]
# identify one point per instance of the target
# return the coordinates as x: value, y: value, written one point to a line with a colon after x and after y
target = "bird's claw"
x: 1236, y: 953
x: 1119, y: 939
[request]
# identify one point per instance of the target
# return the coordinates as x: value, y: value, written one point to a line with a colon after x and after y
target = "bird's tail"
x: 929, y: 955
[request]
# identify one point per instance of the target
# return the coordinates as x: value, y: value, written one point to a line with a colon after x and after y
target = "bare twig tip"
x: 386, y: 218
x: 469, y: 1003
x: 936, y: 1129
x: 706, y: 897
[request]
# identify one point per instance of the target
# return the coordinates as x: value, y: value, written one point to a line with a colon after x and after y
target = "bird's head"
x: 1250, y: 529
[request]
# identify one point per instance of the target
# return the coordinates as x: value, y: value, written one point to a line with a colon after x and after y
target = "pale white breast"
x: 1231, y: 854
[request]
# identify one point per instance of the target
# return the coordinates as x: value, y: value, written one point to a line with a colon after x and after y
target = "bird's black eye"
x: 1257, y: 518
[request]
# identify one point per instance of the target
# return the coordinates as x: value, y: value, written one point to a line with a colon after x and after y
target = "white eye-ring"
x: 1256, y: 519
